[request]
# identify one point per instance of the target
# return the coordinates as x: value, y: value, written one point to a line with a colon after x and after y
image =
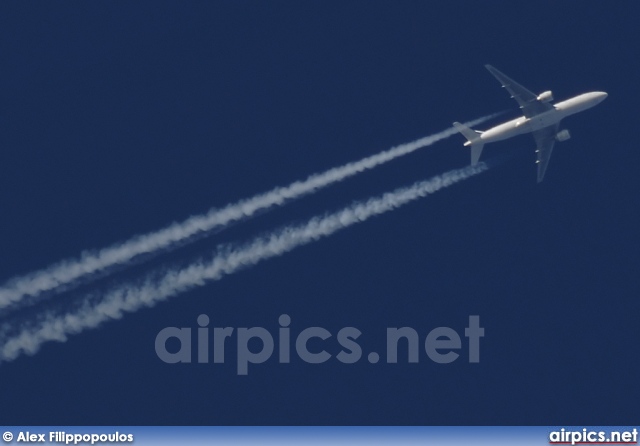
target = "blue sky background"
x: 119, y: 118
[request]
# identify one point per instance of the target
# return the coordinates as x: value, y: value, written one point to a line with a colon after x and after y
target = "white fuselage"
x: 559, y: 111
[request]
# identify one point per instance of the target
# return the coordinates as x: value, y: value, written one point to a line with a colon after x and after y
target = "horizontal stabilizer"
x: 473, y: 140
x: 476, y: 151
x: 471, y: 135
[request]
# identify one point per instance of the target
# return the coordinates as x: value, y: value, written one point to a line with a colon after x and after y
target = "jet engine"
x: 563, y: 135
x: 547, y: 96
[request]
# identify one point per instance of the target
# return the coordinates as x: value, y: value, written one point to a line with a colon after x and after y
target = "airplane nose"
x: 602, y: 95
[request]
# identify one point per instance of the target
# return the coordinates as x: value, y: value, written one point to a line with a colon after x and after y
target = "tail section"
x: 473, y: 140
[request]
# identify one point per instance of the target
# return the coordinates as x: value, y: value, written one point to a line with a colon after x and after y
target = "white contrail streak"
x: 90, y: 262
x: 130, y: 298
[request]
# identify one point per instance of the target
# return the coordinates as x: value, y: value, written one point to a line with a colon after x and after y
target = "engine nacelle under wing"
x: 563, y: 135
x: 547, y: 96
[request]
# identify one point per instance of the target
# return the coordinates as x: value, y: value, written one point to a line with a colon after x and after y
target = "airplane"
x: 541, y: 119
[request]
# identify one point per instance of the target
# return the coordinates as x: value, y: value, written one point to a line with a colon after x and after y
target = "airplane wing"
x: 527, y: 100
x: 545, y: 138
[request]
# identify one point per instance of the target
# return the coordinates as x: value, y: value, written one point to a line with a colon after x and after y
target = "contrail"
x: 130, y: 298
x: 90, y: 262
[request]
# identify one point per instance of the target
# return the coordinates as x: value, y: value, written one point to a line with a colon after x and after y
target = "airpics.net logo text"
x: 256, y: 345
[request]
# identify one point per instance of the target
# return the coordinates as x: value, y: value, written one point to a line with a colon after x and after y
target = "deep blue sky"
x: 118, y: 118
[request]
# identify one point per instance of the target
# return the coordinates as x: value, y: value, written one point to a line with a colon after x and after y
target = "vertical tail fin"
x: 473, y: 140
